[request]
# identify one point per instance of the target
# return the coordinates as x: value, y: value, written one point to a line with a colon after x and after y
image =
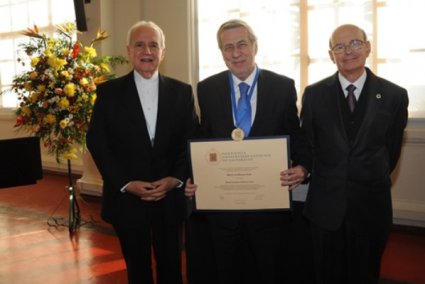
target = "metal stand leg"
x: 74, y: 218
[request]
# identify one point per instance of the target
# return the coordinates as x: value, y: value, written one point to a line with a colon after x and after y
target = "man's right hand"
x: 190, y: 189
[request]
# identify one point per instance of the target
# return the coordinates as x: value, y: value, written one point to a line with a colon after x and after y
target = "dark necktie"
x: 243, y: 119
x: 351, y: 99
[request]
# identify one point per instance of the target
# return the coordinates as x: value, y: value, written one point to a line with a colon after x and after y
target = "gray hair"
x: 150, y: 25
x: 232, y: 24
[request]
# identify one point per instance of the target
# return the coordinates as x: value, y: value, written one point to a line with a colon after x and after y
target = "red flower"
x: 76, y: 50
x: 19, y: 120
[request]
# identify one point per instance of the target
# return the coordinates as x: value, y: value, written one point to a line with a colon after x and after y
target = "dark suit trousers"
x: 301, y: 265
x: 250, y: 247
x: 200, y: 259
x: 136, y: 244
x: 345, y: 256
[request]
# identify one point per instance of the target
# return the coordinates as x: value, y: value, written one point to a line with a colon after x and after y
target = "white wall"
x: 174, y: 17
x: 408, y: 190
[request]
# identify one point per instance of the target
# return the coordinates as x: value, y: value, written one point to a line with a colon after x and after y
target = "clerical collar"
x: 143, y: 80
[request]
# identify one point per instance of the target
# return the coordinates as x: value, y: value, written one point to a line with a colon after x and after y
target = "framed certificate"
x: 240, y: 175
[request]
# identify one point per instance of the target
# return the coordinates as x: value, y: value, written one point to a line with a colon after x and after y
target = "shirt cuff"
x: 124, y: 187
x: 180, y: 183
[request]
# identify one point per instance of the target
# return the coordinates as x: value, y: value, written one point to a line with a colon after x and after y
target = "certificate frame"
x: 240, y: 175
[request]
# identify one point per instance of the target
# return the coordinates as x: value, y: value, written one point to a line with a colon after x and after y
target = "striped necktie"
x: 351, y: 98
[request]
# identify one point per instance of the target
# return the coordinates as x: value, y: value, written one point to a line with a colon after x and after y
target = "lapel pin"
x: 378, y: 96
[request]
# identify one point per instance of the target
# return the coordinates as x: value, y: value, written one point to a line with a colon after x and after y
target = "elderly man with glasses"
x: 354, y: 121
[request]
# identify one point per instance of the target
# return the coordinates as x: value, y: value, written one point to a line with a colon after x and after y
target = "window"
x: 18, y: 15
x: 293, y: 38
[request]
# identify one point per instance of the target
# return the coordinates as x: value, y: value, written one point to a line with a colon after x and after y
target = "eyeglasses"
x: 355, y: 44
x: 241, y: 46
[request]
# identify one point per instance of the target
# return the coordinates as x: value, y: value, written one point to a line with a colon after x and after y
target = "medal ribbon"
x: 233, y: 96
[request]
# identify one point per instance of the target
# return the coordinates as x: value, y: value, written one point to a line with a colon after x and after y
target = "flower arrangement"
x: 56, y: 96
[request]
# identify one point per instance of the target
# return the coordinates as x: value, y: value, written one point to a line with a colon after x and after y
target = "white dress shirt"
x: 148, y: 94
x: 359, y: 83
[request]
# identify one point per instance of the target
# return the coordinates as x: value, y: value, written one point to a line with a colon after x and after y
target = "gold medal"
x: 238, y: 134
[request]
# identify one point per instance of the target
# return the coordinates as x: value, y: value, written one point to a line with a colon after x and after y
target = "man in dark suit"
x: 255, y: 236
x: 137, y: 137
x: 354, y: 153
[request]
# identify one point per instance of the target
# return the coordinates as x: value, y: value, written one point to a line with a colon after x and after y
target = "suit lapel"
x: 224, y: 103
x: 164, y: 109
x: 373, y: 98
x: 263, y: 92
x: 334, y: 94
x: 163, y: 106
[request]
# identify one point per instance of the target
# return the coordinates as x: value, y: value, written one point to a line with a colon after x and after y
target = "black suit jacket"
x: 351, y: 177
x: 119, y: 142
x: 276, y: 112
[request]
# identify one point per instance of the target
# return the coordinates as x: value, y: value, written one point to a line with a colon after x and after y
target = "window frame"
x: 305, y: 60
x: 16, y: 36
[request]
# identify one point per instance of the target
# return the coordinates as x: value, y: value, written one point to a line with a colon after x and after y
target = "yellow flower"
x: 49, y: 119
x: 56, y: 62
x: 64, y: 73
x: 99, y: 79
x: 65, y: 51
x: 41, y: 88
x: 28, y: 86
x: 51, y: 43
x: 84, y: 97
x: 26, y: 110
x: 93, y: 99
x: 105, y: 67
x: 48, y: 52
x: 33, y: 75
x: 69, y: 89
x: 63, y: 123
x: 70, y: 154
x: 34, y: 97
x: 90, y: 51
x: 63, y: 103
x: 84, y: 82
x: 34, y: 61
